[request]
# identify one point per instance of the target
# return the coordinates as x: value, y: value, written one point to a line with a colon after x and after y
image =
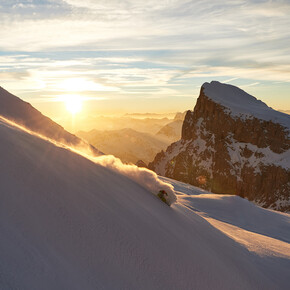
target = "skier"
x: 162, y: 194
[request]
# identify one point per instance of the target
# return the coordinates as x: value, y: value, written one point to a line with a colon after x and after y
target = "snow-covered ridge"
x: 241, y: 104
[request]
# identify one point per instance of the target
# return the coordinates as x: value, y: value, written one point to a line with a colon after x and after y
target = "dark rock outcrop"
x: 232, y: 153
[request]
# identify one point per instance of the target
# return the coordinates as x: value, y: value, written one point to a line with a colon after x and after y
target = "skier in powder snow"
x: 162, y: 194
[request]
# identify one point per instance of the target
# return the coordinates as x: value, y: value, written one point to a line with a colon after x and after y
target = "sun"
x: 73, y: 103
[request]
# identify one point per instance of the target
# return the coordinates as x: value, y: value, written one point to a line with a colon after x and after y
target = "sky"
x: 142, y: 56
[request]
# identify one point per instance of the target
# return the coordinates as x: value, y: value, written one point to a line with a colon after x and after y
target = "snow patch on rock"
x: 259, y: 156
x: 171, y: 152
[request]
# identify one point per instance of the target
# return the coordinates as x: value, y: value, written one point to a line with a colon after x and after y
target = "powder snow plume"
x: 143, y: 176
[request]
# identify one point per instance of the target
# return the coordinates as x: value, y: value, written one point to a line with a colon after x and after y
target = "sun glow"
x: 73, y: 103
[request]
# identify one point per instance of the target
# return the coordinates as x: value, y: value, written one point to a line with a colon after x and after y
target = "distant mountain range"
x: 172, y: 131
x: 149, y: 125
x: 232, y: 143
x: 127, y: 144
x: 132, y: 145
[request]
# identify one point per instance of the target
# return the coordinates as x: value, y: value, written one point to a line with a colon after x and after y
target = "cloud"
x: 230, y: 80
x: 139, y: 24
x: 251, y: 85
x: 259, y: 72
x: 142, y: 48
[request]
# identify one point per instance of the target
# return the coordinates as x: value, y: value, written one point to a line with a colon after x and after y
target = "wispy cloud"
x: 142, y: 48
x: 230, y: 80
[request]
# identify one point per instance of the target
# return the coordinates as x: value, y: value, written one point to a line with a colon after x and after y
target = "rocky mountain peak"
x: 234, y: 144
x: 240, y: 104
x: 225, y: 112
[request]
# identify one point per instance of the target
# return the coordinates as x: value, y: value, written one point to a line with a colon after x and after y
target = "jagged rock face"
x: 231, y: 154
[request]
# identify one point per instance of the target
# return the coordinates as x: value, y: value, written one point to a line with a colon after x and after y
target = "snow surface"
x: 260, y: 230
x: 241, y: 104
x: 69, y: 223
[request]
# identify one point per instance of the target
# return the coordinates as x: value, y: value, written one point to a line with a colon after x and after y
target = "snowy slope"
x: 241, y: 104
x: 263, y: 232
x: 69, y: 223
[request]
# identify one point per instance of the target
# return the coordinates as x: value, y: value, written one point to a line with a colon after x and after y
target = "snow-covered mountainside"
x: 68, y: 222
x: 22, y: 113
x: 232, y: 143
x: 127, y: 144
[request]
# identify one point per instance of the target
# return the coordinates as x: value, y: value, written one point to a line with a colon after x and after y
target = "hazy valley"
x: 133, y: 142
